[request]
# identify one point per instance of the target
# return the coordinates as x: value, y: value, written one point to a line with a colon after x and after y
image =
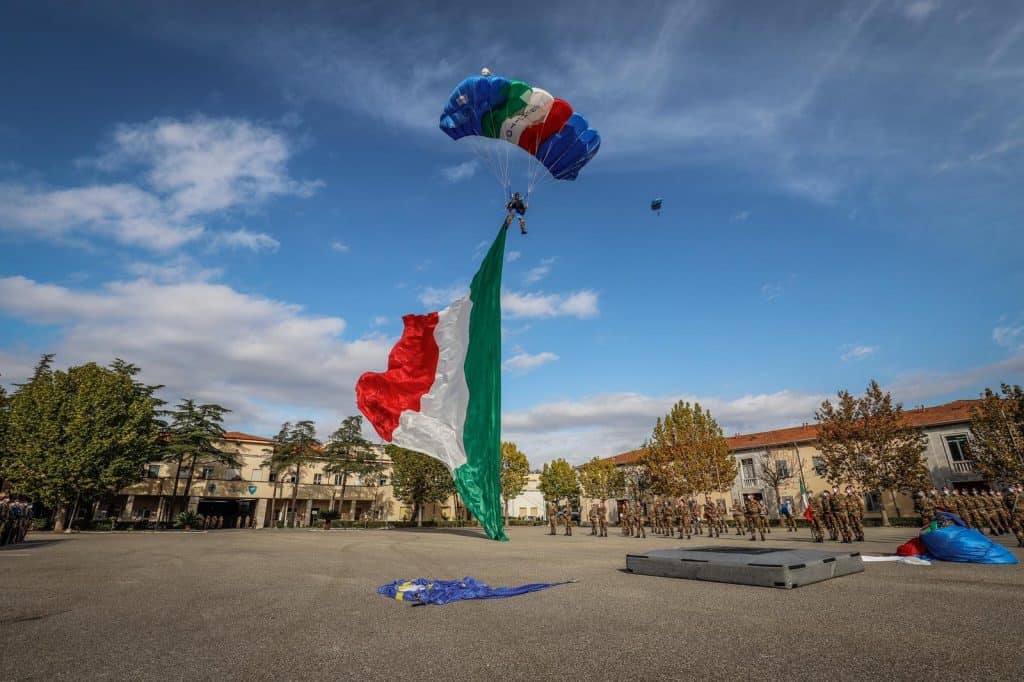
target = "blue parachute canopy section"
x: 965, y: 545
x: 424, y: 591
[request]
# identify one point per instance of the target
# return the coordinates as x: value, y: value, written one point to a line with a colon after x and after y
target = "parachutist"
x: 516, y: 205
x: 485, y: 71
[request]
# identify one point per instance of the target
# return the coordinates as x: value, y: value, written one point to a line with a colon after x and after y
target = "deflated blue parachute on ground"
x: 966, y: 545
x: 425, y: 591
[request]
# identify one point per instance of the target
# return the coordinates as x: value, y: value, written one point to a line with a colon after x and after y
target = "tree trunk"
x: 188, y: 484
x: 419, y: 517
x: 58, y: 518
x: 174, y: 495
x: 295, y: 497
x: 885, y: 513
x: 273, y: 504
x: 894, y: 505
x: 344, y: 484
x: 74, y: 513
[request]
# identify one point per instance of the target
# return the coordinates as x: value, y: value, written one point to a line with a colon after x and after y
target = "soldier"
x: 681, y: 520
x: 710, y: 512
x: 854, y: 514
x: 817, y: 514
x: 755, y: 521
x: 989, y: 512
x: 722, y: 514
x: 999, y: 507
x: 553, y: 518
x: 638, y: 520
x: 567, y: 519
x: 26, y: 518
x: 695, y: 516
x: 924, y: 506
x: 656, y: 518
x: 592, y: 517
x: 625, y: 522
x: 786, y: 512
x: 1015, y: 507
x: 602, y: 520
x: 5, y: 509
x: 827, y: 517
x: 737, y: 517
x: 839, y: 514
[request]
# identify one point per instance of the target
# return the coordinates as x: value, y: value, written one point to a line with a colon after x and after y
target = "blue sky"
x: 244, y: 201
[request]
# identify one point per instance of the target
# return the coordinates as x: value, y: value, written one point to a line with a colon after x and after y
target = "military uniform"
x: 552, y: 518
x: 854, y: 514
x: 592, y: 518
x: 695, y: 516
x: 638, y: 520
x: 1015, y: 508
x: 817, y: 514
x: 737, y: 518
x: 999, y: 508
x: 838, y: 505
x: 755, y: 521
x: 926, y: 508
x: 567, y: 520
x: 828, y: 518
x: 682, y: 520
x: 602, y: 521
x: 626, y: 520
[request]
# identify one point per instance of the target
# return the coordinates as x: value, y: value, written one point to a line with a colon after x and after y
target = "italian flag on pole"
x: 441, y: 393
x: 808, y: 514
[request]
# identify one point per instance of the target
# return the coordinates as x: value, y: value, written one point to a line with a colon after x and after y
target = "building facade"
x: 529, y: 504
x: 794, y: 454
x: 251, y: 495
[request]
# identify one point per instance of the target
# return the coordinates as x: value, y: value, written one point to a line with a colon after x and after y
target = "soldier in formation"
x: 828, y: 517
x: 839, y: 513
x: 854, y: 506
x: 682, y: 518
x: 1014, y: 503
x: 695, y: 525
x: 816, y: 521
x: 602, y: 520
x: 786, y: 512
x: 592, y: 517
x: 755, y: 518
x: 15, y: 519
x: 638, y: 520
x: 567, y: 519
x: 626, y: 520
x: 925, y: 506
x: 552, y: 518
x: 738, y: 517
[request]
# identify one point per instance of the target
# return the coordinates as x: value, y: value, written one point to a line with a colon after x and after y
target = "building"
x: 252, y: 495
x: 529, y: 504
x: 793, y: 451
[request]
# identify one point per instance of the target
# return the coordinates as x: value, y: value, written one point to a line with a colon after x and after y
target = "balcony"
x: 749, y: 482
x: 964, y: 466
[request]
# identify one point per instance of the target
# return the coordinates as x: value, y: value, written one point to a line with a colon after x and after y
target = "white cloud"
x: 581, y: 304
x: 536, y: 274
x: 461, y: 171
x: 380, y: 321
x: 524, y: 362
x: 918, y: 10
x: 267, y: 360
x: 243, y: 239
x: 181, y: 171
x: 611, y: 423
x: 512, y: 256
x: 178, y: 269
x: 339, y: 246
x: 922, y: 385
x: 1009, y: 335
x: 740, y: 217
x: 771, y: 290
x: 854, y: 352
x: 439, y: 297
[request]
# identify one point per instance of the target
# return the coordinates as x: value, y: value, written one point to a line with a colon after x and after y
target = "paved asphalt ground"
x: 300, y: 604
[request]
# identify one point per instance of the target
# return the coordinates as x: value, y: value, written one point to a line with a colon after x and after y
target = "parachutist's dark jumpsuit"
x: 516, y: 205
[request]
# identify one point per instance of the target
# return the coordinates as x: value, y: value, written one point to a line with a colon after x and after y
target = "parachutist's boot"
x: 522, y: 226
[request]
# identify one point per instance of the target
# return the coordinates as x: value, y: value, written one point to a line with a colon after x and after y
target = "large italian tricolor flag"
x: 441, y: 393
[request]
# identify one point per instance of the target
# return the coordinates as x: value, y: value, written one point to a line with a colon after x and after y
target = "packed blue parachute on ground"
x: 426, y: 591
x: 966, y: 545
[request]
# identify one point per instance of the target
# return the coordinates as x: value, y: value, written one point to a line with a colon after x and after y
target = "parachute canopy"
x: 528, y: 117
x: 656, y: 204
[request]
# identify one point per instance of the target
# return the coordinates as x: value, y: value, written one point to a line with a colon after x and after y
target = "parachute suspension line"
x: 493, y: 155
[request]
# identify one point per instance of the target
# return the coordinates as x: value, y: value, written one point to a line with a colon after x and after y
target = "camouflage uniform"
x: 694, y: 516
x: 990, y: 512
x: 737, y: 518
x: 682, y: 518
x: 638, y: 520
x: 999, y: 507
x: 925, y: 507
x: 854, y: 514
x: 592, y: 517
x: 552, y: 518
x: 602, y: 520
x: 710, y: 517
x: 5, y: 508
x: 838, y: 505
x: 567, y: 520
x: 1015, y: 507
x: 817, y: 514
x: 626, y: 520
x: 754, y: 513
x: 828, y: 518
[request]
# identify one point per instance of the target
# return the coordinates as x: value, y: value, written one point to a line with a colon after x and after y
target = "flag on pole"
x: 441, y: 392
x: 806, y: 501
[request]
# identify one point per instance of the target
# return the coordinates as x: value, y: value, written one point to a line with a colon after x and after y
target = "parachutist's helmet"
x: 516, y: 195
x: 485, y: 71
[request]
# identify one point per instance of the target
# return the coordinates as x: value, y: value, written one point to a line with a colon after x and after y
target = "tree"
x: 558, y: 481
x: 4, y: 450
x: 687, y: 453
x: 295, y: 446
x: 75, y: 435
x: 601, y: 479
x: 193, y: 436
x: 348, y: 453
x: 997, y: 435
x: 419, y: 479
x: 515, y: 472
x: 637, y: 478
x: 867, y: 442
x: 776, y: 469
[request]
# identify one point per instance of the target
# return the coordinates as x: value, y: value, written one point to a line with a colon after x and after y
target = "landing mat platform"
x: 761, y: 566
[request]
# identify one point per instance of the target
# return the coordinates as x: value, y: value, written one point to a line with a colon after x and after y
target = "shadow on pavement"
x: 28, y: 544
x: 464, y: 532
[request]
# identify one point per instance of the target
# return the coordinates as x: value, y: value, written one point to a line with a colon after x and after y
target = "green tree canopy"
x: 295, y: 446
x: 348, y: 453
x: 558, y: 481
x: 193, y: 437
x: 419, y: 479
x: 73, y: 435
x: 601, y: 479
x: 867, y: 442
x: 515, y: 471
x: 687, y: 453
x: 997, y: 435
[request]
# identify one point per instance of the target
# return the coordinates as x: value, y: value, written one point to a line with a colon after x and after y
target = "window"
x: 257, y: 475
x: 337, y: 479
x: 153, y: 471
x: 818, y: 464
x: 748, y: 471
x: 873, y: 502
x: 272, y: 477
x: 207, y: 473
x: 184, y: 472
x: 782, y: 467
x: 958, y: 447
x: 318, y: 479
